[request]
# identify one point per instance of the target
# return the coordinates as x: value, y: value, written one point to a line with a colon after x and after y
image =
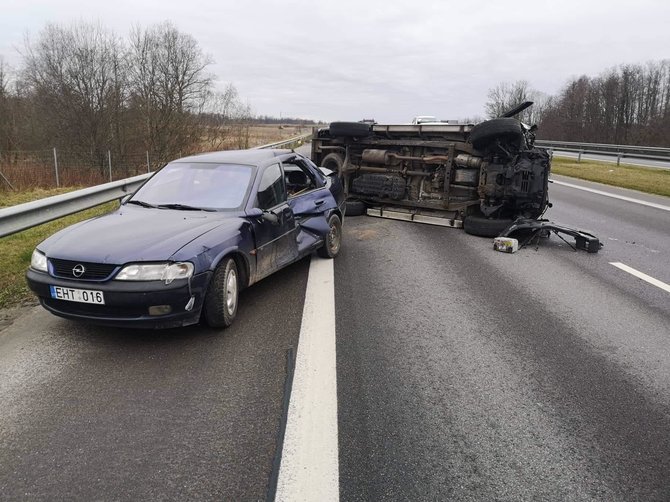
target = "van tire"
x: 485, y: 133
x: 485, y: 227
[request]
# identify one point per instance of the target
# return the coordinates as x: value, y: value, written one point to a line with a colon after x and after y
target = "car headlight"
x: 38, y: 261
x: 166, y: 272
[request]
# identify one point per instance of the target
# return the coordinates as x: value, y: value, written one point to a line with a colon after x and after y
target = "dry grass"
x: 265, y: 134
x: 655, y: 181
x: 14, y: 198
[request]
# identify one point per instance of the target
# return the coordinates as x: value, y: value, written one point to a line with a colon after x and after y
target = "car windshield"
x: 194, y: 185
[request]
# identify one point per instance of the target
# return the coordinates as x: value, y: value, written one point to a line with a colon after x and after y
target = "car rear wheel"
x: 331, y: 247
x: 222, y: 295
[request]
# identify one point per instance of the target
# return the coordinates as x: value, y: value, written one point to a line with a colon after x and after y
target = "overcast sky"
x: 383, y: 59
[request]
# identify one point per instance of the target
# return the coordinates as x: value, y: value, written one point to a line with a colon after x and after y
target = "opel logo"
x: 78, y: 270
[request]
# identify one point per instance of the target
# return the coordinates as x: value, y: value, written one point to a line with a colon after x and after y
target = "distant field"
x: 655, y: 181
x: 265, y: 134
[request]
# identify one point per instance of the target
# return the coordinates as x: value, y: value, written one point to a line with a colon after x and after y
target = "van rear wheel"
x: 485, y: 227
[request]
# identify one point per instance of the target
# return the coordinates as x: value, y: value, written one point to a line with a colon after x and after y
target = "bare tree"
x: 5, y: 127
x: 169, y: 87
x: 226, y: 120
x: 628, y: 104
x: 506, y: 96
x: 71, y: 74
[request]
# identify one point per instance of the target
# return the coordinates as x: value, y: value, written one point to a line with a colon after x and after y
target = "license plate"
x: 77, y: 295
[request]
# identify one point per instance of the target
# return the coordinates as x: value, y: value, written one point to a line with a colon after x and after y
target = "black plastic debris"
x: 527, y: 229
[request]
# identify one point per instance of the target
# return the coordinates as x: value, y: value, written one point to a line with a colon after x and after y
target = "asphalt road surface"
x: 92, y: 413
x: 462, y: 374
x: 466, y: 374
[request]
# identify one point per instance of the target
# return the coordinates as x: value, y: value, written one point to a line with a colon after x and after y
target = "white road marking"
x: 643, y: 276
x: 613, y: 195
x: 309, y: 468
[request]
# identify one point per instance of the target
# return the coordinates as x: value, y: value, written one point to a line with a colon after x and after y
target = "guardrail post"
x: 56, y: 168
x: 579, y: 155
x: 109, y: 161
x: 618, y: 158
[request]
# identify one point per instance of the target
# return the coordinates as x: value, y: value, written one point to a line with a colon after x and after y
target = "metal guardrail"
x: 287, y: 143
x: 24, y: 216
x: 619, y: 151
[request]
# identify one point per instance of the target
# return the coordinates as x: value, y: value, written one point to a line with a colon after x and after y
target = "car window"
x: 271, y: 190
x: 298, y: 179
x: 205, y: 185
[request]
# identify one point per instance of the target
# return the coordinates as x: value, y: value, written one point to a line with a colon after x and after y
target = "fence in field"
x: 25, y: 169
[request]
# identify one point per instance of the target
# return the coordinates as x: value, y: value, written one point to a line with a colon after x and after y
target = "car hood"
x: 134, y: 234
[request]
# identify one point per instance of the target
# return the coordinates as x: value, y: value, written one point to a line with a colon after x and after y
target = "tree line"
x: 83, y: 88
x: 629, y: 104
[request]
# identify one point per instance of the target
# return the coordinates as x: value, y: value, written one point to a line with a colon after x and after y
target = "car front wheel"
x: 333, y: 242
x: 222, y: 295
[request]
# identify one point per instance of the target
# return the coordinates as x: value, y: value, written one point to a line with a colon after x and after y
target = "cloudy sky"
x: 383, y: 59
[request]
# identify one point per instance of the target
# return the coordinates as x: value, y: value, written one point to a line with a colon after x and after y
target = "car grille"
x: 94, y: 271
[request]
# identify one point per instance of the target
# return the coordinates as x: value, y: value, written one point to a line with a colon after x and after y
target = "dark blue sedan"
x: 181, y: 248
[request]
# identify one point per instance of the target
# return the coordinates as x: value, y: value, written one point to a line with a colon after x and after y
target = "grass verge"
x: 17, y: 249
x: 655, y: 181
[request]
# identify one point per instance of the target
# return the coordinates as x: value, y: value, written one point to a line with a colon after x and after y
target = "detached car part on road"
x: 197, y: 232
x: 481, y: 177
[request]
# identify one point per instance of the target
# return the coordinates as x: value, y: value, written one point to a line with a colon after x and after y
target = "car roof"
x: 247, y: 157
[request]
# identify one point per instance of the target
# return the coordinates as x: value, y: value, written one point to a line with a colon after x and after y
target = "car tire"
x: 354, y: 129
x: 355, y: 208
x: 222, y: 295
x: 485, y: 227
x: 485, y: 133
x: 334, y: 162
x: 333, y: 243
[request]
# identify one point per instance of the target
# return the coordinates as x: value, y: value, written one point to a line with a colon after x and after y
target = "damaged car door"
x: 310, y: 200
x: 276, y: 231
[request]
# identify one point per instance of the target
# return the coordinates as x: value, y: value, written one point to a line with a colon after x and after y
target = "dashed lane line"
x: 641, y: 275
x: 613, y: 195
x: 309, y: 467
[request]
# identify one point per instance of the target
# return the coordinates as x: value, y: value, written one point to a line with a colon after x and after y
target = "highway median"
x: 649, y: 180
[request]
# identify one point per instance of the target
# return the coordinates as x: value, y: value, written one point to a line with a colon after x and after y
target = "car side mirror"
x: 268, y: 216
